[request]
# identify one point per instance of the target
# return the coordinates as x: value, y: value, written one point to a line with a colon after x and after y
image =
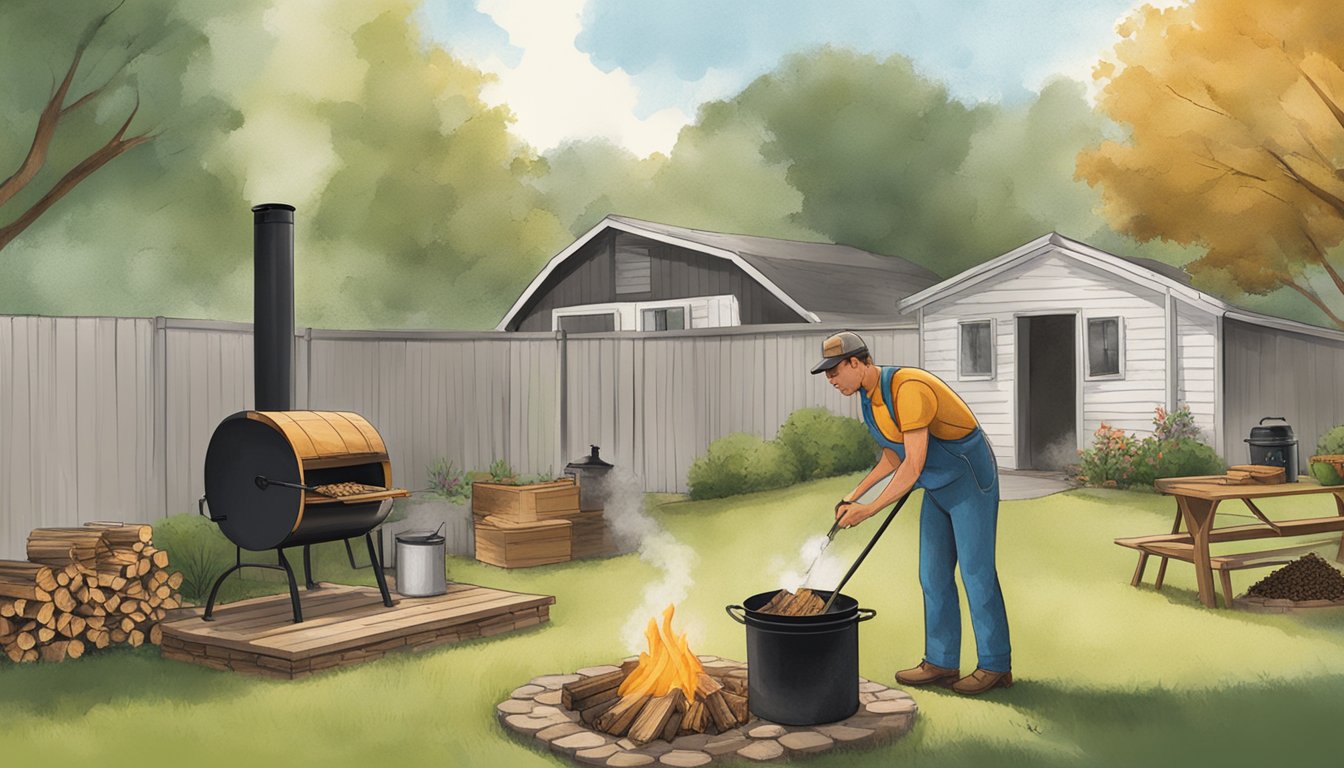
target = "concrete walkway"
x: 1018, y: 484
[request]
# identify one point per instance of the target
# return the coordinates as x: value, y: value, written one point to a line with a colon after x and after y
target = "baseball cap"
x: 837, y: 347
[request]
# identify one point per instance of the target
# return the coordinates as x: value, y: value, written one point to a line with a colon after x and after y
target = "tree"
x: 59, y: 106
x: 1235, y: 119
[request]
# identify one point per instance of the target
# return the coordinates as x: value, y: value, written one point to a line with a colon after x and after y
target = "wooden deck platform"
x: 343, y: 625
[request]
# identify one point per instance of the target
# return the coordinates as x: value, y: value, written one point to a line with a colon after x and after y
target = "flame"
x: 668, y: 663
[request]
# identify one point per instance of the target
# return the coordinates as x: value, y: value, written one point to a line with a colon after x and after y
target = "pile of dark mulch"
x: 1307, y: 578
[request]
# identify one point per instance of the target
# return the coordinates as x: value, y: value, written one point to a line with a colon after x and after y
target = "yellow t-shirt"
x: 922, y: 400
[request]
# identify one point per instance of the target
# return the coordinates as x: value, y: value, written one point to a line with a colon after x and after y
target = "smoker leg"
x: 308, y: 568
x: 350, y: 553
x: 214, y: 591
x: 378, y: 570
x: 293, y: 585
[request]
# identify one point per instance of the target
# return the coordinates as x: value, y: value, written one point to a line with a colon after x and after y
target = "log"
x: 694, y: 719
x: 738, y: 705
x: 114, y: 582
x: 158, y: 558
x: 156, y: 634
x: 6, y: 608
x: 55, y: 651
x: 580, y: 693
x: 43, y: 613
x: 8, y: 628
x: 63, y: 599
x: 75, y: 649
x: 175, y: 580
x: 136, y: 638
x: 617, y: 720
x: 123, y: 534
x: 45, y: 634
x: 654, y: 716
x: 720, y: 712
x: 591, y: 715
x: 14, y: 652
x: 101, y: 638
x: 63, y: 546
x: 706, y: 685
x: 30, y: 581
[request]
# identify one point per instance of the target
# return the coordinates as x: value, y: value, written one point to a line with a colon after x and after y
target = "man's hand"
x: 853, y: 513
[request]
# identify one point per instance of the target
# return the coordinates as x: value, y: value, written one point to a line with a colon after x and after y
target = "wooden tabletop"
x: 1206, y: 487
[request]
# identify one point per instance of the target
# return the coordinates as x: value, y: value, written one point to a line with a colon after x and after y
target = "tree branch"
x: 1329, y: 103
x: 1322, y: 194
x: 1324, y: 261
x: 51, y: 115
x: 1314, y: 299
x: 1178, y: 95
x: 115, y: 146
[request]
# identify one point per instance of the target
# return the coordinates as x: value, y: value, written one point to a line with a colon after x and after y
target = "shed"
x: 1054, y: 338
x: 625, y: 274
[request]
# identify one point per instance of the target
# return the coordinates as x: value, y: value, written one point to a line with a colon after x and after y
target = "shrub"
x: 447, y: 481
x: 197, y: 548
x: 824, y: 445
x: 741, y: 463
x: 1330, y: 442
x: 1181, y: 457
x: 1173, y: 450
x: 1111, y: 460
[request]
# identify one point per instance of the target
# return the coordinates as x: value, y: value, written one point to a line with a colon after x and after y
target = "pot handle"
x: 738, y: 619
x: 866, y: 614
x: 1272, y: 418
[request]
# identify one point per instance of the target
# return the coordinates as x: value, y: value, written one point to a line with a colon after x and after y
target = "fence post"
x: 160, y: 372
x: 562, y: 399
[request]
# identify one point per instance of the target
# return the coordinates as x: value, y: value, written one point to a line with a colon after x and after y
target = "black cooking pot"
x: 1274, y: 446
x: 802, y: 670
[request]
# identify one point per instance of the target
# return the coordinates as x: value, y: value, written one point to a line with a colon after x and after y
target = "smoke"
x: 1059, y: 454
x: 634, y: 529
x: 826, y: 568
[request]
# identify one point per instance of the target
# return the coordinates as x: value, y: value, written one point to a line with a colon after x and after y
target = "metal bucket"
x: 802, y: 670
x: 420, y: 564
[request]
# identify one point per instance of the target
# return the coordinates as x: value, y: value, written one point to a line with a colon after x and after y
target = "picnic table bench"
x: 1197, y: 500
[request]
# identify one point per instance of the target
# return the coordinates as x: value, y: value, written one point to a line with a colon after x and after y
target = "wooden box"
x: 590, y: 536
x: 525, y: 503
x: 510, y: 544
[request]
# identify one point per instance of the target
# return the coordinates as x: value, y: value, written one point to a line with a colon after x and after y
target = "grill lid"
x: 1274, y: 434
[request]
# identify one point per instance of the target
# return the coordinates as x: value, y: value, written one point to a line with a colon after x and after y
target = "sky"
x: 635, y: 71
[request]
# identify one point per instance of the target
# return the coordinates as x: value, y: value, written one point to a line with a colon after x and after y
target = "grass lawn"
x: 1106, y: 674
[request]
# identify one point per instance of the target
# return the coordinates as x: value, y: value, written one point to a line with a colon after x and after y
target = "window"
x: 633, y: 266
x: 592, y: 323
x: 1105, y: 345
x: 975, y: 360
x: 664, y: 319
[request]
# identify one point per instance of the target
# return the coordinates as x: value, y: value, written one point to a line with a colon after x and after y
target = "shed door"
x: 1047, y: 387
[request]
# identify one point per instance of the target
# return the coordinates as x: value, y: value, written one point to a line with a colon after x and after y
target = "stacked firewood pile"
x: 85, y: 588
x: 665, y: 694
x: 520, y: 526
x: 1307, y: 578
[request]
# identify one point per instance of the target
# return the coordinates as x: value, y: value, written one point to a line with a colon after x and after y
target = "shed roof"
x: 822, y: 282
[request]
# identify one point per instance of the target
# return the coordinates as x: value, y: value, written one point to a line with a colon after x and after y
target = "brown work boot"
x: 982, y: 680
x: 928, y: 674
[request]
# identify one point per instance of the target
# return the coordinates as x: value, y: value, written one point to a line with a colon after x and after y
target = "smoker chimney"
x: 273, y: 305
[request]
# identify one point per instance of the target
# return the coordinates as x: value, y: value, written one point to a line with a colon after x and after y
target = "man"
x: 931, y: 440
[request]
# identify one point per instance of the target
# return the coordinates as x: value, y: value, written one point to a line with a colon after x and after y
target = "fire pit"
x: 682, y: 709
x: 536, y: 712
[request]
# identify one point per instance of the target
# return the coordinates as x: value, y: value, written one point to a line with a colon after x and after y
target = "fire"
x: 668, y: 663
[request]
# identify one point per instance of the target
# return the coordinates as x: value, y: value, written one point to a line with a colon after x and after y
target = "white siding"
x: 1197, y: 367
x: 1055, y: 284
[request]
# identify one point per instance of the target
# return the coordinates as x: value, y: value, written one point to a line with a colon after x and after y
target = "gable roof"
x: 1149, y: 273
x: 819, y: 281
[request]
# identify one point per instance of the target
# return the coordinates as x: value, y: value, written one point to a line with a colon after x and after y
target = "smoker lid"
x: 1274, y: 433
x: 590, y: 462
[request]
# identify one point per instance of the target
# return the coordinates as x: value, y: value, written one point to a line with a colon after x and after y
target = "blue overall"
x: 957, y: 525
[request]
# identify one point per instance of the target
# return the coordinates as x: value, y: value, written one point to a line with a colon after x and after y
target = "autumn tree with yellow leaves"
x: 1235, y: 120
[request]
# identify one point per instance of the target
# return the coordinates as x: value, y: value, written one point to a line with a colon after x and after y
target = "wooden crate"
x: 525, y: 503
x: 590, y: 536
x: 510, y: 544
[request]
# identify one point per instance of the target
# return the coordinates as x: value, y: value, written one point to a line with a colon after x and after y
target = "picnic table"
x: 1197, y: 501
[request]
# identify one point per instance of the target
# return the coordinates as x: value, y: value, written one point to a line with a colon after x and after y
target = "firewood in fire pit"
x: 1307, y: 578
x: 804, y: 602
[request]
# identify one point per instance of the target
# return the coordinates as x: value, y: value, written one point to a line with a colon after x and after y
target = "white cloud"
x: 556, y: 91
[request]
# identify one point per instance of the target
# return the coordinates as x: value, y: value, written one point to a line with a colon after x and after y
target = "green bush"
x: 1119, y: 460
x: 824, y: 445
x: 448, y: 481
x: 741, y: 463
x: 1330, y: 442
x: 1181, y: 457
x: 198, y: 549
